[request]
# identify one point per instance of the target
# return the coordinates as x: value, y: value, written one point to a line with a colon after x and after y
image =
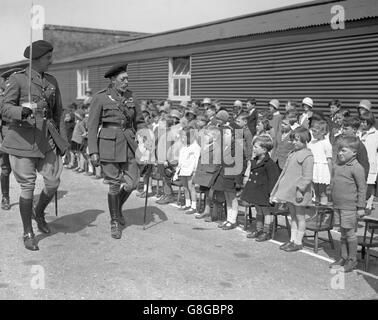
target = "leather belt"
x: 112, y: 125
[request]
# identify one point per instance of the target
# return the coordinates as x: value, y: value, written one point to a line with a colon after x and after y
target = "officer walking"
x: 33, y: 141
x: 111, y: 141
x: 4, y: 157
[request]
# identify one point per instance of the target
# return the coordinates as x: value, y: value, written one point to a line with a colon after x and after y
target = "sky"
x: 130, y: 15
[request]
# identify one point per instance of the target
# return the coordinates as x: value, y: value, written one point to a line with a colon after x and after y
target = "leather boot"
x: 5, y: 203
x: 39, y: 212
x: 26, y: 210
x: 123, y: 196
x: 113, y: 203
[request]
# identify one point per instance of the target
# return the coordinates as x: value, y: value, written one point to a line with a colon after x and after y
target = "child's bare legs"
x: 298, y: 228
x: 320, y: 193
x: 301, y: 224
x: 193, y: 193
x: 232, y: 206
x: 259, y: 219
x: 185, y: 185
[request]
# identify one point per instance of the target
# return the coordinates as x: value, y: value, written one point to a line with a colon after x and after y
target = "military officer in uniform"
x: 33, y: 141
x: 111, y: 141
x: 4, y: 157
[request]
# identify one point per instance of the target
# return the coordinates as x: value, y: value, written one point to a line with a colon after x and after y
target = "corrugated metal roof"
x: 309, y: 14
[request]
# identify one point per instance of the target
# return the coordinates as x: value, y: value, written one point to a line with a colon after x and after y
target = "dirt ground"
x: 175, y: 257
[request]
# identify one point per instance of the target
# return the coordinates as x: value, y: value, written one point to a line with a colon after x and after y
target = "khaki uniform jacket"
x: 30, y: 137
x: 108, y: 108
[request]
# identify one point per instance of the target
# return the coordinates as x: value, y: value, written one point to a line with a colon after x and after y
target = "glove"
x: 26, y: 112
x: 95, y: 159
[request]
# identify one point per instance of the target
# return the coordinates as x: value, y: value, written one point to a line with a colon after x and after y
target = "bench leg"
x: 246, y: 218
x: 288, y: 227
x: 367, y: 260
x: 331, y: 240
x: 316, y: 242
x: 274, y: 227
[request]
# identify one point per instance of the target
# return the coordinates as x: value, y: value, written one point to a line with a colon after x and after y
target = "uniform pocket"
x: 20, y: 138
x: 107, y: 143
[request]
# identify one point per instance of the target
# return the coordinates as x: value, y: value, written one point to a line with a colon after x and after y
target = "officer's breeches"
x: 121, y: 173
x: 25, y: 171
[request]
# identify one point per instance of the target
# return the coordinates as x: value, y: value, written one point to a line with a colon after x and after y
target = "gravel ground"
x: 176, y: 257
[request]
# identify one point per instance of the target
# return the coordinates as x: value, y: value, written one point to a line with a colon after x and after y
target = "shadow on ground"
x: 154, y: 216
x: 72, y: 223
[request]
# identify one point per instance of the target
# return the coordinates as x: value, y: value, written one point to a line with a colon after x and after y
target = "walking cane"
x: 56, y: 203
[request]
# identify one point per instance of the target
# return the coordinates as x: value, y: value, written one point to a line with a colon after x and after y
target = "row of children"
x: 312, y: 152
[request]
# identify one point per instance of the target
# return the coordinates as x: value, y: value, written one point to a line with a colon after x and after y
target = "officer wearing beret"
x: 111, y: 141
x: 33, y: 141
x: 4, y: 157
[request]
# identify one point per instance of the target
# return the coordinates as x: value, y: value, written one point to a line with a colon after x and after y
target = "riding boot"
x: 123, y: 196
x: 113, y: 203
x: 5, y: 203
x: 26, y: 210
x: 39, y: 212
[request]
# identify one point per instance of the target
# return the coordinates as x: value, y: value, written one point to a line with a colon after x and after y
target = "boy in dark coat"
x: 260, y: 177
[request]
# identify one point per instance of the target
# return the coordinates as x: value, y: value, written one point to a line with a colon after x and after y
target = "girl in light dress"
x: 321, y: 149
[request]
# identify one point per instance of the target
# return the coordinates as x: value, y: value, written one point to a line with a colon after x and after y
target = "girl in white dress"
x: 322, y: 150
x: 369, y: 137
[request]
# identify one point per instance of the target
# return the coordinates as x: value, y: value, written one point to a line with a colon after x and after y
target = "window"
x: 82, y: 83
x: 179, y: 78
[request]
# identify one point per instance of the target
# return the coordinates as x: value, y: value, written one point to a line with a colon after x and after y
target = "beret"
x: 223, y: 115
x: 116, y: 70
x: 39, y: 48
x: 5, y: 75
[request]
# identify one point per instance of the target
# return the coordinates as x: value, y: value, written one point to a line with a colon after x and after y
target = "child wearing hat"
x: 304, y: 119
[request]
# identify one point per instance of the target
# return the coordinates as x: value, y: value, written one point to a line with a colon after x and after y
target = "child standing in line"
x: 369, y: 137
x: 285, y: 146
x: 262, y: 177
x: 187, y: 162
x: 321, y: 149
x: 348, y: 194
x: 294, y: 187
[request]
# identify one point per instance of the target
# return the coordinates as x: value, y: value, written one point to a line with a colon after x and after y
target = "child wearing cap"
x: 369, y: 137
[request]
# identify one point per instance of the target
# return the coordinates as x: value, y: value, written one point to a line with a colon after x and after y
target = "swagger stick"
x: 56, y: 203
x: 145, y: 202
x: 31, y: 51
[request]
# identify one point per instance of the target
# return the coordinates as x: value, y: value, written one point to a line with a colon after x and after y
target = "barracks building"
x: 321, y: 49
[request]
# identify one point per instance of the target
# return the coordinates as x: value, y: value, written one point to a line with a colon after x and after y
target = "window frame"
x: 82, y: 81
x: 186, y: 77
